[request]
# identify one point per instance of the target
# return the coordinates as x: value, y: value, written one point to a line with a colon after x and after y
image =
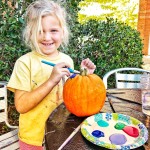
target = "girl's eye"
x: 53, y: 30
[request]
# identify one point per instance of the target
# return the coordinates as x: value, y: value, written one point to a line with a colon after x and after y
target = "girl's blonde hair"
x: 34, y: 14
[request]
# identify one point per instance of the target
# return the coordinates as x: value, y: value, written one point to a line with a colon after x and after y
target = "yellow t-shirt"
x: 28, y: 74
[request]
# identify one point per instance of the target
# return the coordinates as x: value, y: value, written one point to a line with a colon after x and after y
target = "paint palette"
x: 114, y: 131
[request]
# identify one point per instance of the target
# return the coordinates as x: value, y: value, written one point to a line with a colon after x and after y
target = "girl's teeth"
x: 47, y: 44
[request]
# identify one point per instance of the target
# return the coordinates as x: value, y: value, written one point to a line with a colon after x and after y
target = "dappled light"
x: 124, y: 11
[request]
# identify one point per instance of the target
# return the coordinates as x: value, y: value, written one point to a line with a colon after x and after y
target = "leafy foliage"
x: 11, y: 45
x: 111, y: 44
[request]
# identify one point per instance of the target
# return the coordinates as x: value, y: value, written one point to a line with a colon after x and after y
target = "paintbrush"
x: 70, y: 137
x: 52, y: 64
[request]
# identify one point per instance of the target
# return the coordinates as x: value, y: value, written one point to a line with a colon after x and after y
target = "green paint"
x: 120, y: 126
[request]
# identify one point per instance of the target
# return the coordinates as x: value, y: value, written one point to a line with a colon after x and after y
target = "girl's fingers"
x: 65, y: 71
x: 63, y: 65
x: 87, y: 63
x: 61, y: 69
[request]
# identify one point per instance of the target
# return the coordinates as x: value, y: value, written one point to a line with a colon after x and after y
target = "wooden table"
x: 62, y: 123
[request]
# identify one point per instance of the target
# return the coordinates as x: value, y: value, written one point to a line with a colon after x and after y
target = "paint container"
x: 145, y: 93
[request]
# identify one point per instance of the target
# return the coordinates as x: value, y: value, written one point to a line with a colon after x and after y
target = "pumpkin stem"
x: 83, y: 71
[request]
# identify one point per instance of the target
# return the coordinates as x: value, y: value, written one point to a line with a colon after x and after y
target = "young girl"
x: 37, y: 86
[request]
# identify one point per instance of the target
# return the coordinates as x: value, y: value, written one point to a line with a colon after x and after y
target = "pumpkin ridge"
x: 71, y: 93
x: 78, y: 93
x: 67, y: 92
x: 85, y: 88
x: 88, y: 95
x: 98, y: 79
x: 98, y: 91
x: 94, y: 98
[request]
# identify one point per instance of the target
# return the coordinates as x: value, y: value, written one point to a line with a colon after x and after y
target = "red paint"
x: 132, y: 131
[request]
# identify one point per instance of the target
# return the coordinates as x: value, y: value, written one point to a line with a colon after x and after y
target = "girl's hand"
x: 58, y: 72
x: 89, y: 65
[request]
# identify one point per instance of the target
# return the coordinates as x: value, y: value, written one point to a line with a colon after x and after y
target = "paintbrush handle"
x: 48, y: 63
x: 70, y: 137
x: 52, y: 64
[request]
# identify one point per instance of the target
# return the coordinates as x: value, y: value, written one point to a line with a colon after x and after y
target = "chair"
x: 3, y: 104
x: 124, y: 79
x: 9, y: 140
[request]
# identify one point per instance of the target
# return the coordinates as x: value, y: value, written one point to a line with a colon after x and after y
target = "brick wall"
x: 144, y: 24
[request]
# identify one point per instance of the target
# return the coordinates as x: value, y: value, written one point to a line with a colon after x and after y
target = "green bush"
x: 11, y: 44
x: 110, y: 44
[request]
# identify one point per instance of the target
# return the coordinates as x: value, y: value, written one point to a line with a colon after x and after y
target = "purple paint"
x: 117, y: 139
x: 98, y: 133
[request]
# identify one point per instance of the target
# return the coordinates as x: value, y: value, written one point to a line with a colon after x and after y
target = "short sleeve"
x: 20, y: 78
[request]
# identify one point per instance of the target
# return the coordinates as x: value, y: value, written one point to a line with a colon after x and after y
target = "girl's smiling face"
x: 50, y: 38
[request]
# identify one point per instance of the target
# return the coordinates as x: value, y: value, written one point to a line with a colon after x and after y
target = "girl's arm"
x: 25, y: 101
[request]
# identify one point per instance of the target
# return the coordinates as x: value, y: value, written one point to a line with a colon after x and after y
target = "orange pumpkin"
x: 84, y: 95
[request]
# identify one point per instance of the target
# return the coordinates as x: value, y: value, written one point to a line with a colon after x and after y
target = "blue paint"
x: 73, y: 75
x: 98, y: 133
x: 102, y: 123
